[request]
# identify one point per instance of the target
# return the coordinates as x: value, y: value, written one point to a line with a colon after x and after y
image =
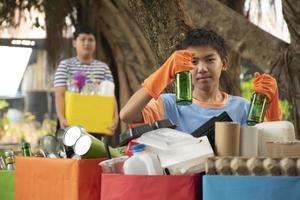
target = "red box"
x: 142, y: 187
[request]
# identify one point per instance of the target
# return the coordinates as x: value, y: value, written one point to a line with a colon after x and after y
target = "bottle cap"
x: 137, y: 148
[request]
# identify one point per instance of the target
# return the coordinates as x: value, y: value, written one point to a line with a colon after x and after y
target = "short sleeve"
x: 108, y: 73
x: 154, y: 111
x: 61, y: 75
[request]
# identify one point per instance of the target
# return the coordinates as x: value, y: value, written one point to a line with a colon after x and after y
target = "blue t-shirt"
x: 189, y: 118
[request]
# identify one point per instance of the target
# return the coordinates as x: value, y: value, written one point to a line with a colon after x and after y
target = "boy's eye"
x: 210, y: 60
x: 195, y: 61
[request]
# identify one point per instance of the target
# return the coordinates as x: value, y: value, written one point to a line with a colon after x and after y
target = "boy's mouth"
x: 199, y: 78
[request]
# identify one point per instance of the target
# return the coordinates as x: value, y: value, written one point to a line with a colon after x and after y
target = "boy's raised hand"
x: 179, y: 61
x: 267, y: 85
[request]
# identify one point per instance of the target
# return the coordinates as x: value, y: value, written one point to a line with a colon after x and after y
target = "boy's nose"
x: 201, y: 67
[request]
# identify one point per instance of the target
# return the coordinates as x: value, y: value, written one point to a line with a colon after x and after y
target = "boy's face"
x: 209, y: 65
x: 85, y: 45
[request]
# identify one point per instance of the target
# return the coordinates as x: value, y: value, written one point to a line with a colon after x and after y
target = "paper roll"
x: 227, y: 138
x: 249, y: 141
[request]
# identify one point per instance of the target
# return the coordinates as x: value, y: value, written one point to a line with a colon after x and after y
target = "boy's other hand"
x: 267, y: 85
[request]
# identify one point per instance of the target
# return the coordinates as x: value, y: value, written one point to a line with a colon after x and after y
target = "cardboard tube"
x: 227, y: 140
x: 249, y: 141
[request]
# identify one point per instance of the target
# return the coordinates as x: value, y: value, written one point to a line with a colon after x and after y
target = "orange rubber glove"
x: 267, y: 85
x: 179, y: 61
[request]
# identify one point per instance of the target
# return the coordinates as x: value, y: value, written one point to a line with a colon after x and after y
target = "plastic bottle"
x: 142, y: 162
x: 183, y: 88
x: 107, y: 87
x: 257, y: 109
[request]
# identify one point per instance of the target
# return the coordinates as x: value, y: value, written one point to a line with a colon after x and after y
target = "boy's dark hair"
x: 200, y: 37
x: 82, y: 29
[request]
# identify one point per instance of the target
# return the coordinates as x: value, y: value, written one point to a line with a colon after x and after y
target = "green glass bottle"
x: 183, y: 88
x: 26, y: 149
x: 257, y: 109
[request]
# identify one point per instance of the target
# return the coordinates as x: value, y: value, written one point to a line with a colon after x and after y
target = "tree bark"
x: 286, y: 66
x: 231, y: 80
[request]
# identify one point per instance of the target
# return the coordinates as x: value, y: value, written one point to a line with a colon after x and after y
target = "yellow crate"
x: 94, y: 113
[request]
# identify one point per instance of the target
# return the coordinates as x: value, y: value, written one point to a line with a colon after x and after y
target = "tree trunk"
x: 287, y: 64
x: 231, y: 80
x: 164, y: 24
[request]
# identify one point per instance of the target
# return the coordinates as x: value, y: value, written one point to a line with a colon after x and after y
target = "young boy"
x: 84, y: 42
x: 206, y: 57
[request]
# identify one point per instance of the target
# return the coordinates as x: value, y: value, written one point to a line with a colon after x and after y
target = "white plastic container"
x: 107, y: 87
x: 277, y: 131
x: 181, y: 153
x: 142, y: 162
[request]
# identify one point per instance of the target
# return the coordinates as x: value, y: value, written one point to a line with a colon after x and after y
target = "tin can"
x: 87, y: 146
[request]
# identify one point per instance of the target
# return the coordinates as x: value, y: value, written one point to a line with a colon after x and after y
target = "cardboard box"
x: 7, y: 184
x: 57, y: 179
x: 283, y: 149
x: 94, y: 113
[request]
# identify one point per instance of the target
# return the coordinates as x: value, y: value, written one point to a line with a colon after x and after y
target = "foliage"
x: 3, y: 104
x: 284, y: 105
x: 28, y: 130
x: 11, y: 11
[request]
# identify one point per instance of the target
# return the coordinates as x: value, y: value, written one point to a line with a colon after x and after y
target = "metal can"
x: 10, y: 160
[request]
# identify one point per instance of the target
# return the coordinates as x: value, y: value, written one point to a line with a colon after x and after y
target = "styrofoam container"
x: 166, y: 139
x: 181, y: 153
x: 276, y: 131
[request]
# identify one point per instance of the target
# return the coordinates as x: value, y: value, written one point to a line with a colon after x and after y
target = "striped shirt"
x: 96, y: 70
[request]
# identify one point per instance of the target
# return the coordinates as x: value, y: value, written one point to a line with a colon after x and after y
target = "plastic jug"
x: 107, y: 87
x: 276, y: 131
x: 142, y: 162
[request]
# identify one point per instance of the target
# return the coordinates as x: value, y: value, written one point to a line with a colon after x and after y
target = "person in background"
x: 84, y: 42
x: 203, y: 53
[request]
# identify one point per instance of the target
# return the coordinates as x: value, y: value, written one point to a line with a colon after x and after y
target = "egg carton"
x: 253, y: 166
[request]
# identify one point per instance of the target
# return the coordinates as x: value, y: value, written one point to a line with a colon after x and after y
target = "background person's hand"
x: 114, y: 126
x: 63, y: 122
x: 179, y: 61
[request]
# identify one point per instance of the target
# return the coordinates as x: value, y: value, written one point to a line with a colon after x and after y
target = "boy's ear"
x: 225, y: 63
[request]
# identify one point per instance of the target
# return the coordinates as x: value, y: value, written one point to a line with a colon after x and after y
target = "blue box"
x: 251, y: 188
